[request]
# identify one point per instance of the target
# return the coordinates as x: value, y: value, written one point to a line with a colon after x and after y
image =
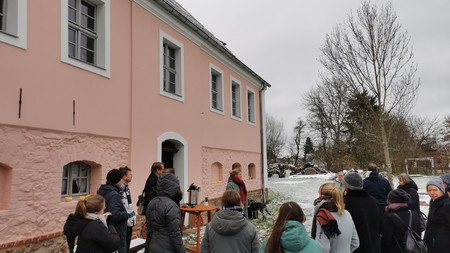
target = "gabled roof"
x: 176, y: 10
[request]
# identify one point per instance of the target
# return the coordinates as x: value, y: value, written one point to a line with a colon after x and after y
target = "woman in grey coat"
x: 164, y: 216
x: 333, y: 226
x: 229, y: 230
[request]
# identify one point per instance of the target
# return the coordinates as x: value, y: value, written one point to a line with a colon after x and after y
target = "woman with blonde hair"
x: 406, y: 183
x: 289, y: 234
x: 333, y: 226
x: 88, y: 223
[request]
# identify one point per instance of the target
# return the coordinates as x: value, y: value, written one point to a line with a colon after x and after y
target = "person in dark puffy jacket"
x: 164, y: 216
x: 119, y: 215
x: 229, y: 230
x: 88, y: 223
x: 437, y: 232
x: 407, y: 184
x: 392, y: 237
x: 288, y: 234
x: 377, y: 186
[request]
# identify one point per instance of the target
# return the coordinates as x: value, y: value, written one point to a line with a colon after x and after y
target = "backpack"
x: 412, y: 241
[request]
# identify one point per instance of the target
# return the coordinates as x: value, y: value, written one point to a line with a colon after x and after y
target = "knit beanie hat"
x: 353, y: 181
x: 446, y: 178
x: 437, y: 181
x: 114, y: 176
x: 398, y: 196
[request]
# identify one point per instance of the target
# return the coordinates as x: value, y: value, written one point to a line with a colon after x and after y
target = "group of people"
x: 354, y: 215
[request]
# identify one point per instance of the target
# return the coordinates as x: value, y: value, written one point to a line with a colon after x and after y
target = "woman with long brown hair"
x: 333, y: 226
x: 88, y: 223
x: 289, y: 234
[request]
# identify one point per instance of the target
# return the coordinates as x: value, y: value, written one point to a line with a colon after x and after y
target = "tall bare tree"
x: 371, y: 53
x: 275, y: 138
x: 296, y: 143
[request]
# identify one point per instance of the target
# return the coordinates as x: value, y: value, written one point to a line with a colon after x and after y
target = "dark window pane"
x: 73, y: 3
x: 87, y: 42
x: 65, y: 171
x: 75, y: 186
x: 72, y: 51
x: 72, y: 15
x: 172, y: 77
x: 72, y: 36
x: 64, y: 187
x: 88, y: 9
x: 86, y: 55
x: 84, y: 171
x: 88, y: 22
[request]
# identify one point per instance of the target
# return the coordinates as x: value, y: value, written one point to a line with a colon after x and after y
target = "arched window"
x: 216, y: 173
x: 75, y: 180
x: 251, y: 171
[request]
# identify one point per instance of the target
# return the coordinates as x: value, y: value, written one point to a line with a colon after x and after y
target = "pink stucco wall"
x: 119, y: 120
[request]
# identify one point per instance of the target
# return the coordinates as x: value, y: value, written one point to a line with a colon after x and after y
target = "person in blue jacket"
x: 119, y: 215
x: 377, y: 186
x: 289, y: 234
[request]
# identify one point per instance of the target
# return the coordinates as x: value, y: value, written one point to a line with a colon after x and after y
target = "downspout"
x: 262, y: 117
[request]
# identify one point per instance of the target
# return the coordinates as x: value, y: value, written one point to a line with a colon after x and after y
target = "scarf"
x: 235, y: 208
x: 395, y: 206
x: 242, y: 188
x: 322, y: 209
x: 100, y: 217
x: 126, y: 200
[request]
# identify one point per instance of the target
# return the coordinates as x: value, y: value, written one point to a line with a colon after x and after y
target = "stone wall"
x: 35, y: 159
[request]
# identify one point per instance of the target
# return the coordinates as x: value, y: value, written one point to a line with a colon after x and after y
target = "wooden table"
x: 196, y: 210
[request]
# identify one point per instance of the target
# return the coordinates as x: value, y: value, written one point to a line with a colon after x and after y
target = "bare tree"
x: 296, y: 143
x: 371, y: 53
x: 275, y: 138
x: 327, y: 106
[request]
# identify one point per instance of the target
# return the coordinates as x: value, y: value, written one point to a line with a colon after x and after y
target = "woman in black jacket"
x: 393, y: 228
x: 88, y: 223
x: 407, y: 184
x: 164, y: 216
x: 437, y: 233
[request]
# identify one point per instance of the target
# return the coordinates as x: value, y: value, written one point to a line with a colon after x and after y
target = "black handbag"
x: 412, y: 241
x: 141, y: 204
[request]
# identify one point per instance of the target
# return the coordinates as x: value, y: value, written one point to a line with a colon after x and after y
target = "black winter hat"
x: 114, y: 176
x: 353, y: 181
x: 398, y: 196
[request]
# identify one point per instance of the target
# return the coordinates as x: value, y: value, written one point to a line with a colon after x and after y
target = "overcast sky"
x: 280, y: 41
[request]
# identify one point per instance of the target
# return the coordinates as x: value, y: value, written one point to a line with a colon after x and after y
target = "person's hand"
x: 107, y: 214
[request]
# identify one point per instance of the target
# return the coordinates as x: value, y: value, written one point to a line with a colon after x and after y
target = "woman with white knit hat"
x: 437, y: 233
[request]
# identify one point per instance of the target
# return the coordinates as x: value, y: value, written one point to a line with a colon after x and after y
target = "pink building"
x: 91, y: 85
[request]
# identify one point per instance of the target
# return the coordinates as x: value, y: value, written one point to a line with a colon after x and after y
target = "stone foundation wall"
x: 35, y: 159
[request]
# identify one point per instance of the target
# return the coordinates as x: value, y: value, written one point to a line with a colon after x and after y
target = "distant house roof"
x: 175, y: 9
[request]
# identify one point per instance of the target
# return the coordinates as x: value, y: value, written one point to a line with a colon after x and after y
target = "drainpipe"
x: 262, y: 117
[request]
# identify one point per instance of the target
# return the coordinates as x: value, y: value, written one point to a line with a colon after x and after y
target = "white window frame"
x: 164, y: 38
x: 102, y: 64
x: 251, y: 109
x: 235, y: 82
x: 70, y: 179
x: 15, y: 27
x: 219, y: 86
